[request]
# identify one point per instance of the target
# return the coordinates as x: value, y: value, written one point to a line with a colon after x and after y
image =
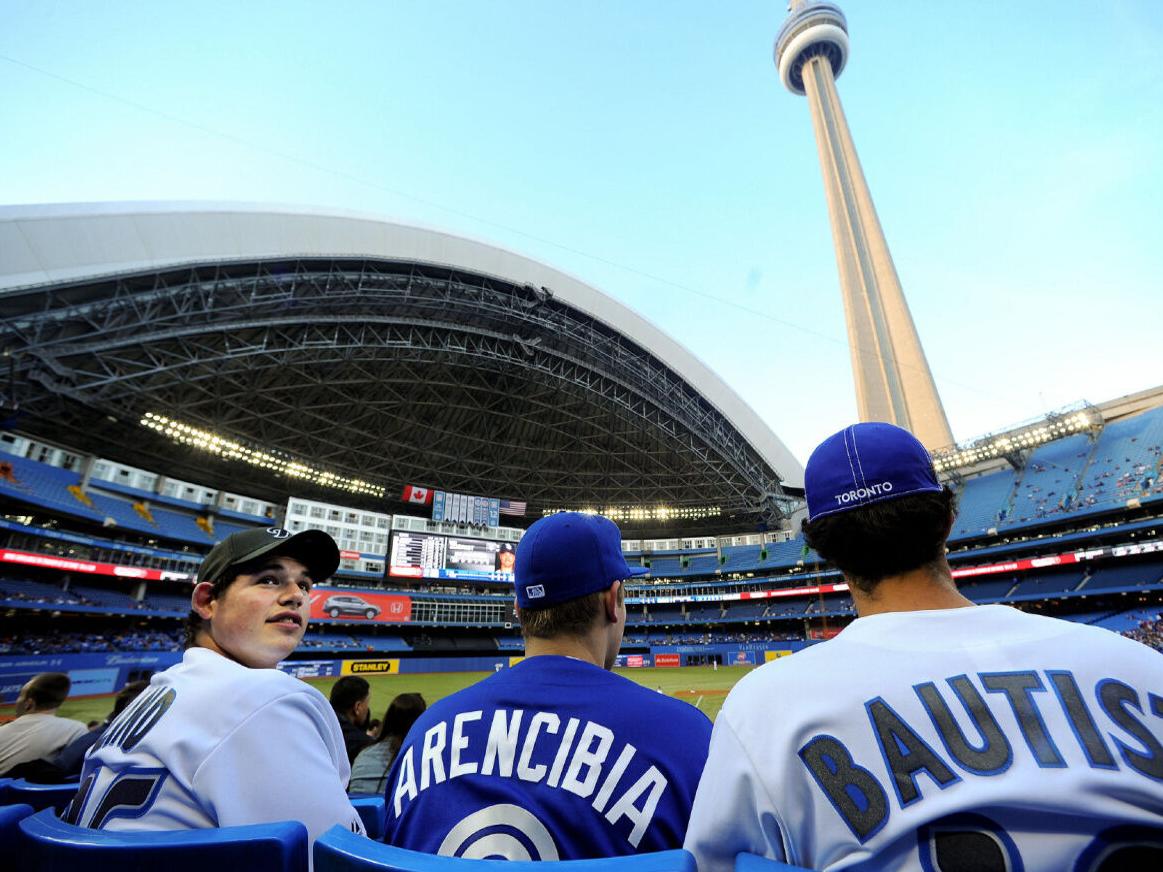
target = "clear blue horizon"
x: 1013, y: 152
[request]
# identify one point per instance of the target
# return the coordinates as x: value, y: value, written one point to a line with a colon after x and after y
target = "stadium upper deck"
x: 380, y: 352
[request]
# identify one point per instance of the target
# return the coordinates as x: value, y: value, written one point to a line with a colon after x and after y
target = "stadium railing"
x: 51, y: 844
x: 55, y: 796
x: 339, y: 850
x: 755, y: 863
x: 10, y: 839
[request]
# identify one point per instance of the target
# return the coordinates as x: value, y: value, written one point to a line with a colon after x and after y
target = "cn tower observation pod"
x: 391, y: 352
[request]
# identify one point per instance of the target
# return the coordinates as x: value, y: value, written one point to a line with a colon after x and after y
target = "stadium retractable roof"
x: 394, y: 353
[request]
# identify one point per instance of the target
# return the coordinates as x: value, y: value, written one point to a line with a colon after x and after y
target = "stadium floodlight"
x: 647, y: 513
x: 1018, y: 439
x: 277, y: 462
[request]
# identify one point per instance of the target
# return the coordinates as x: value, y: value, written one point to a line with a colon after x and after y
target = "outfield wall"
x: 100, y: 674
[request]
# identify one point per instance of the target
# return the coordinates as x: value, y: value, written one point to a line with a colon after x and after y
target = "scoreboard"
x: 428, y: 555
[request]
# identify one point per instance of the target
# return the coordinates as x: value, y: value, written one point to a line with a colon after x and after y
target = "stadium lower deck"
x: 1072, y: 531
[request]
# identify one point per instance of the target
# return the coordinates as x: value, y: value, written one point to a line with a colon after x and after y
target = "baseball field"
x: 701, y: 686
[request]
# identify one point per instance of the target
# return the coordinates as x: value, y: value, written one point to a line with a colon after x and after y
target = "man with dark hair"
x: 556, y: 757
x: 351, y: 700
x: 66, y: 764
x: 224, y: 738
x: 37, y: 731
x: 931, y: 733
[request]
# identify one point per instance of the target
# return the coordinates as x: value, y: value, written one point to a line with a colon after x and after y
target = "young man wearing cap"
x: 556, y: 757
x: 224, y: 738
x: 931, y: 733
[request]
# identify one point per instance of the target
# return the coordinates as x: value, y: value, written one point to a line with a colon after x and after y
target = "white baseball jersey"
x: 973, y: 738
x: 33, y: 736
x: 213, y: 743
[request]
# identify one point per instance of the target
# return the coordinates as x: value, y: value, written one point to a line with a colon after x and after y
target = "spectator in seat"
x: 556, y: 757
x: 931, y: 733
x: 37, y: 731
x: 225, y: 738
x: 369, y: 772
x: 351, y: 700
x: 66, y: 764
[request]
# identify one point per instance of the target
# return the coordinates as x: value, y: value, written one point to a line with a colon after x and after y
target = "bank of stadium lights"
x: 229, y: 449
x: 1021, y: 439
x: 647, y: 513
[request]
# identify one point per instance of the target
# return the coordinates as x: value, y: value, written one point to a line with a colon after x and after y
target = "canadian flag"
x: 413, y: 494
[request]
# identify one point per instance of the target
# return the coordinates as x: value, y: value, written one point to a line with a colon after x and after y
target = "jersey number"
x: 964, y: 842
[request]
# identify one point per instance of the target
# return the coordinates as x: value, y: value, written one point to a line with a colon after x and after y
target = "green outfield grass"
x: 698, y: 685
x: 701, y: 686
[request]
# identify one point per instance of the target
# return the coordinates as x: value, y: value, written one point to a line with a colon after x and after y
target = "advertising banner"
x: 310, y: 668
x: 360, y: 606
x: 91, y: 682
x: 90, y: 567
x: 768, y: 656
x: 370, y: 667
x: 668, y: 660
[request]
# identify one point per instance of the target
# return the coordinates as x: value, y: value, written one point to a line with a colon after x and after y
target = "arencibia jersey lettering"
x: 585, y: 762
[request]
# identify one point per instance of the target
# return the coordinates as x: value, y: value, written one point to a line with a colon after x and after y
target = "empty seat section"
x: 45, y: 485
x: 983, y: 590
x: 1132, y: 575
x: 1048, y: 481
x: 980, y: 502
x: 1049, y: 583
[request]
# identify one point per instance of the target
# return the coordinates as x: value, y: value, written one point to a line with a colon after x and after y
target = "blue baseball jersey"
x: 551, y: 759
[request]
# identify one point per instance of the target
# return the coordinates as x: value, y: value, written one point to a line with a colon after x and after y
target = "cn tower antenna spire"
x: 893, y: 381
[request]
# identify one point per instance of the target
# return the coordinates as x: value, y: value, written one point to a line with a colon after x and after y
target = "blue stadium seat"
x: 51, y: 845
x: 373, y: 811
x: 338, y: 850
x: 39, y: 796
x: 755, y: 863
x: 10, y: 840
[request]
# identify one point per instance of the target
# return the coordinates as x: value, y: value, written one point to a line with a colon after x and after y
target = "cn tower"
x: 893, y: 381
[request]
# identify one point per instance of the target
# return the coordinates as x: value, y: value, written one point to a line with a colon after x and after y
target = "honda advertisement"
x: 360, y: 606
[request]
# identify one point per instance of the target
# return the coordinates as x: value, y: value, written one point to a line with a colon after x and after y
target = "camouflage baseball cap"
x: 313, y: 548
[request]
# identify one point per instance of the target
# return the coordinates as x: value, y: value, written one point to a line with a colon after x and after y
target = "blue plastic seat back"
x: 10, y: 839
x: 755, y: 863
x: 373, y: 811
x: 38, y: 795
x: 50, y: 845
x: 338, y: 850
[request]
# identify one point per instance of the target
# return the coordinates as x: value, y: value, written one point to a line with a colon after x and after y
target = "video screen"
x: 428, y: 555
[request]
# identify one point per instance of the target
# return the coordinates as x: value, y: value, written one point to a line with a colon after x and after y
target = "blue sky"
x: 1014, y: 151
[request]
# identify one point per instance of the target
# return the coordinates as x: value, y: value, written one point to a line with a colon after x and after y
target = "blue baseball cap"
x: 566, y: 556
x: 863, y: 464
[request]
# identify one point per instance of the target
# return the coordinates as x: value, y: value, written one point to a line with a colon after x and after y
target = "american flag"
x: 513, y: 507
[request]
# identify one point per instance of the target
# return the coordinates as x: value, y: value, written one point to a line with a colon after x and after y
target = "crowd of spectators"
x: 1149, y: 632
x: 92, y: 643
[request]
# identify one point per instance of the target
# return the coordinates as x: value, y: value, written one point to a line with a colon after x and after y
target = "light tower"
x: 893, y: 382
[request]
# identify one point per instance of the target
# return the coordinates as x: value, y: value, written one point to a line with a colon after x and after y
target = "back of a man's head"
x: 127, y: 695
x: 48, y: 690
x: 346, y: 692
x: 564, y: 565
x: 875, y: 507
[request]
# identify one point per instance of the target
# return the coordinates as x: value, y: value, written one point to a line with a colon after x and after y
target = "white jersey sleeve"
x: 732, y: 813
x: 275, y: 767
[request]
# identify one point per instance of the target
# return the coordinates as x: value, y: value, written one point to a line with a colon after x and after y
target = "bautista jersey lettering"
x: 552, y: 759
x: 979, y: 738
x: 212, y: 743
